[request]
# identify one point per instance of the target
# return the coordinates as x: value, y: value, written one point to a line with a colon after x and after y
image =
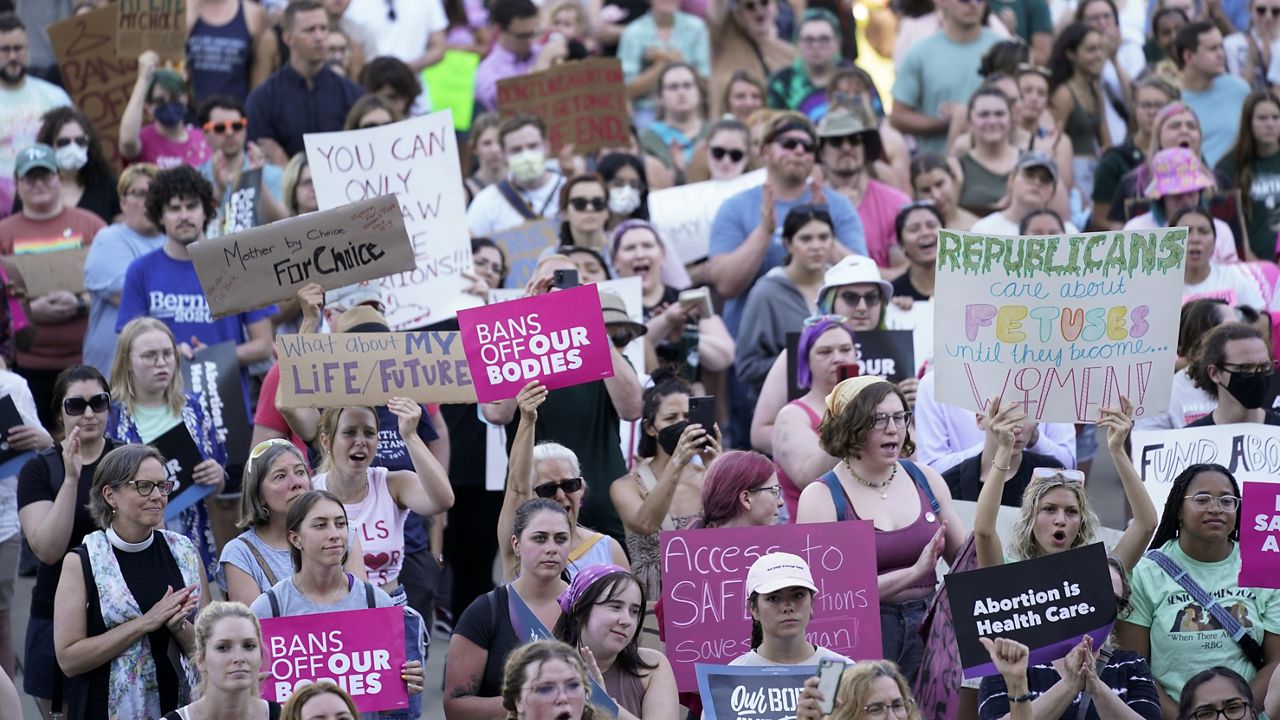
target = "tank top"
x: 645, y: 550
x: 982, y: 188
x: 791, y: 491
x: 599, y: 552
x: 218, y: 57
x: 1082, y: 127
x: 626, y: 689
x: 380, y: 525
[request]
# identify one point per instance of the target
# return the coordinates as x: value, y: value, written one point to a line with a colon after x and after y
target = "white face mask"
x: 72, y: 156
x: 528, y: 165
x: 623, y: 200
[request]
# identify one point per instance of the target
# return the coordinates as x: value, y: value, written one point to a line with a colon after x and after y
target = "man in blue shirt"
x: 304, y: 96
x: 1216, y: 96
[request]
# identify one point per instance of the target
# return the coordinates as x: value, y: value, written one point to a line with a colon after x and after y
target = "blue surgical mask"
x: 171, y: 114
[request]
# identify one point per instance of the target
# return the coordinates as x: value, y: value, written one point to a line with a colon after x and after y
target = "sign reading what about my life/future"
x: 1048, y: 604
x: 731, y: 692
x: 1063, y: 325
x: 1251, y: 451
x: 362, y: 241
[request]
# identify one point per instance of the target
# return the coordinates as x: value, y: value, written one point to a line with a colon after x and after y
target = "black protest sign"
x: 890, y: 354
x: 9, y: 419
x: 730, y: 692
x: 181, y: 458
x: 1047, y: 604
x: 214, y: 375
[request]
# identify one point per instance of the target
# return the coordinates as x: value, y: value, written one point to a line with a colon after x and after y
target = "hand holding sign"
x: 1003, y: 420
x: 407, y: 413
x: 1118, y: 422
x: 530, y: 399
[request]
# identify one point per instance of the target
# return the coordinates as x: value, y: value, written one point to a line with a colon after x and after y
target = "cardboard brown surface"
x: 582, y: 102
x: 252, y: 269
x: 96, y: 80
x: 42, y: 273
x: 159, y: 25
x: 343, y: 369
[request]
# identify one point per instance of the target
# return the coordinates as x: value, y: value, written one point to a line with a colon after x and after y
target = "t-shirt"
x: 1187, y: 403
x: 755, y: 659
x: 997, y: 224
x: 487, y: 623
x: 293, y: 602
x: 490, y: 212
x: 1030, y: 16
x: 1112, y: 166
x: 1228, y: 283
x: 237, y: 553
x: 269, y: 416
x: 1126, y: 673
x: 20, y: 113
x: 1185, y: 638
x: 937, y: 70
x: 878, y: 209
x: 1262, y: 218
x: 104, y: 268
x: 1218, y: 110
x: 902, y: 286
x: 1270, y: 417
x: 165, y: 153
x: 966, y: 479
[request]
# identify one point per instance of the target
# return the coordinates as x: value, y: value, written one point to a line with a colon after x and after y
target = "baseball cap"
x: 775, y: 571
x: 1035, y: 158
x: 361, y: 318
x: 36, y: 156
x: 349, y: 296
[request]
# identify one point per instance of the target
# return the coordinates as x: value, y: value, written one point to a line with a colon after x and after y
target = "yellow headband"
x: 844, y: 393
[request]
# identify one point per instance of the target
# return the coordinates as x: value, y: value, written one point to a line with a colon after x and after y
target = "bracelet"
x: 1025, y: 697
x: 997, y: 467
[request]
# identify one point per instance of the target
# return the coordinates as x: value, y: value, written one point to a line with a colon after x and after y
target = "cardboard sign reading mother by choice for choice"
x: 1251, y: 451
x: 1062, y: 324
x: 252, y: 269
x: 1048, y: 604
x: 704, y: 575
x: 557, y: 338
x: 360, y: 650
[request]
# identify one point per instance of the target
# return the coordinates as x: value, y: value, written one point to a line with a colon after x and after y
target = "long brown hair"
x: 1245, y: 151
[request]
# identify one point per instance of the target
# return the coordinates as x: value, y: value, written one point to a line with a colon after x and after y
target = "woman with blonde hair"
x: 297, y: 188
x: 547, y: 679
x: 320, y: 701
x: 148, y: 400
x: 228, y: 654
x: 371, y: 111
x: 870, y: 690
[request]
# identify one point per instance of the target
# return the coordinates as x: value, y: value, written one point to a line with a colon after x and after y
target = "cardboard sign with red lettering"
x: 159, y: 25
x: 582, y: 102
x: 557, y: 338
x: 360, y: 650
x: 98, y: 82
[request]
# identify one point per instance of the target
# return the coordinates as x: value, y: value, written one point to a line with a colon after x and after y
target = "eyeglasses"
x: 820, y: 41
x: 82, y: 141
x: 776, y: 490
x: 853, y: 299
x: 262, y: 447
x: 597, y: 204
x: 226, y: 126
x: 1205, y: 501
x: 1242, y: 370
x: 814, y: 320
x: 135, y: 193
x: 899, y: 707
x: 1232, y: 710
x: 791, y: 143
x: 156, y: 357
x: 735, y: 155
x: 853, y: 140
x: 1262, y: 11
x: 881, y: 420
x: 75, y: 406
x: 568, y: 485
x: 144, y: 487
x: 548, y: 691
x: 1062, y: 474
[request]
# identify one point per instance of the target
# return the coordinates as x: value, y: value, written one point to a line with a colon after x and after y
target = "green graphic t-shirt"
x: 1185, y: 638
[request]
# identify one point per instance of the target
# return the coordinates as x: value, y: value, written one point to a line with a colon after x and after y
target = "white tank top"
x: 379, y: 523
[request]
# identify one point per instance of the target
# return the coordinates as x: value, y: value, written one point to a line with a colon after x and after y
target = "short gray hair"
x: 253, y: 511
x: 116, y: 469
x: 556, y: 451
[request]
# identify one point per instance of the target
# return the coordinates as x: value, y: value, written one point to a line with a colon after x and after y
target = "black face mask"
x: 1250, y: 391
x: 669, y: 436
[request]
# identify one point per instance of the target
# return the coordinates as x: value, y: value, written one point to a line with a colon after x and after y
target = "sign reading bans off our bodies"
x: 417, y: 161
x: 1251, y: 451
x: 1064, y: 325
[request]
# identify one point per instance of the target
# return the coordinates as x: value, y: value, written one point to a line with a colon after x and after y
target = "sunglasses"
x: 262, y: 447
x: 568, y: 485
x: 226, y: 126
x: 838, y: 142
x: 735, y: 155
x: 1262, y: 11
x: 815, y: 319
x: 791, y: 143
x: 597, y: 204
x: 1057, y: 474
x: 82, y: 141
x: 852, y: 299
x: 75, y: 406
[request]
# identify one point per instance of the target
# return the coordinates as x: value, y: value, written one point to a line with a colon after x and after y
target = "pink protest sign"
x: 557, y: 338
x: 360, y: 650
x: 704, y: 600
x: 1260, y: 535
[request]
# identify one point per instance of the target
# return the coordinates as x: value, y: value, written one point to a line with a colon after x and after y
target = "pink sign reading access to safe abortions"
x: 1260, y: 535
x: 360, y: 650
x: 557, y: 339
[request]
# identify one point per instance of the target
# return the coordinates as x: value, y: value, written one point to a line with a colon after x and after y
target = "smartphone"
x: 844, y: 372
x: 702, y: 411
x: 563, y: 279
x: 829, y: 672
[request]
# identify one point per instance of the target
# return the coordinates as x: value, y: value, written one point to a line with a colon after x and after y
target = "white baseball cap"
x: 775, y: 571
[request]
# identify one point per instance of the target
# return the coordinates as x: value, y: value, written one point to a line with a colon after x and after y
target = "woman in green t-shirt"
x: 1198, y: 532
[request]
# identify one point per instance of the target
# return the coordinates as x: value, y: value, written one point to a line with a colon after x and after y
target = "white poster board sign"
x: 683, y: 214
x: 1251, y: 451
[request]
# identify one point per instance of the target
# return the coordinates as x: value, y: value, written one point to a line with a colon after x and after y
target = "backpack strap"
x: 922, y: 482
x: 275, y: 602
x: 369, y: 598
x: 262, y: 562
x: 513, y: 198
x: 52, y: 459
x: 1248, y: 645
x: 837, y: 495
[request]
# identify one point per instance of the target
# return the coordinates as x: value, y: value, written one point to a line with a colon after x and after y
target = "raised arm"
x: 425, y: 491
x: 519, y: 469
x: 1001, y: 421
x: 643, y: 514
x: 131, y: 118
x: 1118, y: 422
x: 47, y: 525
x: 731, y: 273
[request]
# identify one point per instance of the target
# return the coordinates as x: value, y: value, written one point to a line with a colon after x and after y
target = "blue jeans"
x: 900, y: 635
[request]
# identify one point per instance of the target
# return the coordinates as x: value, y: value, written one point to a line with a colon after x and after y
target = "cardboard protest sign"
x: 252, y: 269
x: 683, y: 214
x: 1063, y: 325
x: 583, y: 103
x: 360, y: 650
x: 1251, y: 451
x: 557, y: 338
x: 159, y: 25
x: 704, y: 573
x: 341, y: 369
x: 452, y: 84
x: 1048, y: 604
x: 181, y: 458
x: 1260, y: 535
x: 214, y: 375
x: 523, y: 245
x: 98, y: 82
x: 44, y: 272
x: 417, y: 159
x: 761, y: 693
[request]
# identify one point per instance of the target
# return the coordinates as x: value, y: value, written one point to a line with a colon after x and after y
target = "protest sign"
x: 583, y: 103
x: 889, y: 354
x: 181, y: 457
x: 761, y: 693
x: 1048, y: 604
x: 1063, y: 325
x: 214, y: 375
x: 159, y: 25
x: 683, y: 214
x: 365, y: 240
x: 44, y: 272
x: 523, y: 245
x: 705, y: 604
x: 557, y: 338
x: 342, y: 369
x: 98, y: 82
x: 919, y: 320
x: 452, y: 85
x: 360, y: 650
x: 1251, y: 451
x: 937, y: 686
x: 417, y: 159
x: 240, y: 209
x: 1260, y: 535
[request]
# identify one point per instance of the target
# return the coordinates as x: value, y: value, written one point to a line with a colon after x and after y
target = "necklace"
x: 882, y: 487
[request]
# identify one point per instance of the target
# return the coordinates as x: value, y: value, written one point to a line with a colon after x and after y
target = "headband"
x: 844, y: 392
x: 583, y: 580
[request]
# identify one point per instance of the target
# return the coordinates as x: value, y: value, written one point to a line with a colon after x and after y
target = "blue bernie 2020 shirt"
x: 740, y: 214
x: 161, y: 287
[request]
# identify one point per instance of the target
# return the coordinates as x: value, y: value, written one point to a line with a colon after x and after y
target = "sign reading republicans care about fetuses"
x: 1063, y: 325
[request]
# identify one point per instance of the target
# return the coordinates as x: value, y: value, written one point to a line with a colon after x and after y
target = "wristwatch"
x: 1025, y: 697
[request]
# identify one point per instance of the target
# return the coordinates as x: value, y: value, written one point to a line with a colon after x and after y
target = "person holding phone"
x: 780, y: 592
x: 871, y: 690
